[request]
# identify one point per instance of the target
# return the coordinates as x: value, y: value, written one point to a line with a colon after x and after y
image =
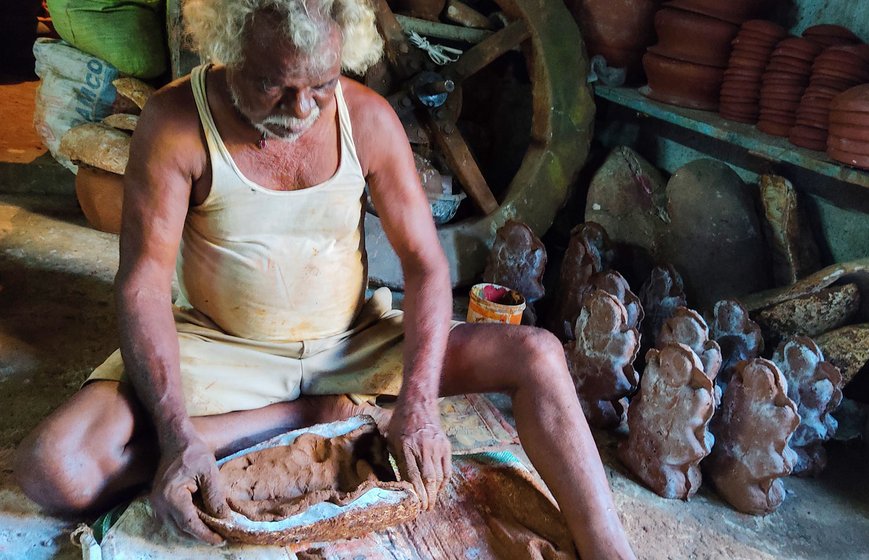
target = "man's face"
x: 279, y: 89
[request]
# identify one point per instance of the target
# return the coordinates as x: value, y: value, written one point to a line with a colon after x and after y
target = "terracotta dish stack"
x: 783, y: 84
x: 752, y: 47
x: 687, y: 65
x: 834, y: 71
x: 848, y: 140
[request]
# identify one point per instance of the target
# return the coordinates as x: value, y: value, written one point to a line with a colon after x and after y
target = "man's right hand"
x: 187, y: 466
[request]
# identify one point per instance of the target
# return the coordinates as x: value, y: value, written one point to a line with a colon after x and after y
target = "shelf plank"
x: 747, y: 136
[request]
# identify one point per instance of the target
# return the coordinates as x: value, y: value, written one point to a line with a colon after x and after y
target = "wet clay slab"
x: 333, y: 481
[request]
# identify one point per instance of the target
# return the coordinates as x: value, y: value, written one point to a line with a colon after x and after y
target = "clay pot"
x: 750, y: 49
x: 800, y: 45
x: 738, y: 117
x: 773, y: 31
x: 852, y: 118
x: 828, y: 33
x: 734, y: 11
x: 683, y: 83
x: 808, y: 144
x: 773, y: 128
x: 848, y: 145
x: 693, y: 37
x: 856, y: 160
x: 619, y: 30
x: 854, y: 99
x: 101, y: 196
x: 810, y: 133
x: 833, y: 83
x: 851, y: 132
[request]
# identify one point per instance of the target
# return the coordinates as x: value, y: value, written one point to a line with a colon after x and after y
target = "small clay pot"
x: 833, y: 83
x: 693, y: 37
x: 822, y: 92
x: 848, y: 145
x: 101, y: 197
x: 828, y: 31
x: 743, y: 96
x: 773, y: 128
x: 743, y: 118
x: 734, y: 11
x: 762, y: 52
x: 853, y: 118
x: 809, y: 132
x: 846, y: 55
x: 808, y: 143
x: 766, y: 28
x: 800, y: 45
x: 851, y: 132
x: 742, y: 107
x: 784, y: 78
x: 853, y: 99
x: 683, y: 83
x: 856, y: 160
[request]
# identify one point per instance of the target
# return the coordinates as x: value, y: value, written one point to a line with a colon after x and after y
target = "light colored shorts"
x: 222, y: 373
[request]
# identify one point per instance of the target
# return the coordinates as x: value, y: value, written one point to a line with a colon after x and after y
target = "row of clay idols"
x: 759, y: 437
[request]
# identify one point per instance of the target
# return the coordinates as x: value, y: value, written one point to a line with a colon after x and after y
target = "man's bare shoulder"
x: 376, y: 127
x: 173, y: 108
x: 169, y: 132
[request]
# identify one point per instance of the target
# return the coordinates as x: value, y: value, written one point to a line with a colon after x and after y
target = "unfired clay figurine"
x: 687, y: 327
x: 752, y: 430
x: 667, y: 422
x: 517, y: 260
x: 816, y: 387
x: 601, y: 358
x: 738, y: 336
x: 660, y: 295
x: 588, y: 252
x: 613, y: 283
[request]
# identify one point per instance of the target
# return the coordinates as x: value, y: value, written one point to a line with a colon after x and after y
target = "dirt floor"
x: 57, y: 323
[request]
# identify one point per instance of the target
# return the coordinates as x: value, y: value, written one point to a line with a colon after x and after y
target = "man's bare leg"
x: 98, y: 447
x: 529, y: 365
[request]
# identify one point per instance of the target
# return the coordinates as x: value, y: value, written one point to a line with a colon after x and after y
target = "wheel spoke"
x: 485, y: 52
x: 397, y: 44
x: 455, y: 150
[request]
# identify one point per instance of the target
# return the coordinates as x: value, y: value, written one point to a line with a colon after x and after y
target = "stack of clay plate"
x: 687, y: 65
x: 848, y: 139
x: 752, y: 47
x: 828, y: 35
x: 783, y: 83
x: 834, y: 71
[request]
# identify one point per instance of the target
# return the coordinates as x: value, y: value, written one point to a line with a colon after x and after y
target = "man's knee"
x: 544, y: 357
x: 54, y: 471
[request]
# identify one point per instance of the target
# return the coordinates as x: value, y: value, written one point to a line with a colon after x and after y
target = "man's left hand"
x: 421, y: 447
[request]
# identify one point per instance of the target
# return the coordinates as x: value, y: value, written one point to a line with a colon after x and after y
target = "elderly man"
x: 247, y: 178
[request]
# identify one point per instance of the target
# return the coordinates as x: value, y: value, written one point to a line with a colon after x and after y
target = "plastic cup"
x: 491, y: 303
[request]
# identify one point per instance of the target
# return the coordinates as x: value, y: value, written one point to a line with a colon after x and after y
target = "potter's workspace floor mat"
x: 483, y: 512
x: 492, y: 509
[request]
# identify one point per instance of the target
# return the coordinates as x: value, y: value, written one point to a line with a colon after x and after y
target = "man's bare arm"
x: 406, y: 216
x: 157, y: 188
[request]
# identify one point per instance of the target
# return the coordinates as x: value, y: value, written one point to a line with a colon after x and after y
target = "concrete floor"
x: 57, y: 323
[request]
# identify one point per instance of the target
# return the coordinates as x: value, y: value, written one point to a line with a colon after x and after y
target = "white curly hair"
x: 216, y: 28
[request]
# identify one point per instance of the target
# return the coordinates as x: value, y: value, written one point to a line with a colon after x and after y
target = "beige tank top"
x: 275, y: 265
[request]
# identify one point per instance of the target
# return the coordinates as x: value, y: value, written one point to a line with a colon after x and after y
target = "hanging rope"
x: 439, y: 54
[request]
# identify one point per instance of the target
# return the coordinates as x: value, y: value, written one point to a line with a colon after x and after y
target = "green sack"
x: 126, y: 33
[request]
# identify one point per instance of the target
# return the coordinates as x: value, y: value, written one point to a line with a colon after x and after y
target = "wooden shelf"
x: 746, y: 136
